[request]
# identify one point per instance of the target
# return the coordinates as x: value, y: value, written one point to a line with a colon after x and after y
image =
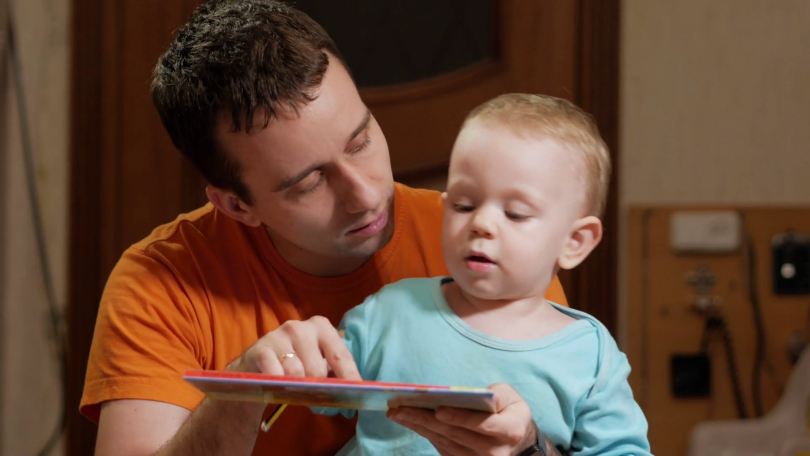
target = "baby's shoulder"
x: 402, y: 297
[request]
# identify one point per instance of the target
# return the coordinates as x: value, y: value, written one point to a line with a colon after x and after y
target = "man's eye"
x: 463, y: 208
x: 362, y: 145
x: 313, y: 186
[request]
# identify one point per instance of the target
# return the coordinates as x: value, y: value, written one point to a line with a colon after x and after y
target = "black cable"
x: 39, y: 231
x: 759, y: 357
x: 714, y: 324
x: 733, y: 372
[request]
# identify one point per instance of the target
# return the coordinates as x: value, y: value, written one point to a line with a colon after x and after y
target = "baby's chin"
x: 479, y: 289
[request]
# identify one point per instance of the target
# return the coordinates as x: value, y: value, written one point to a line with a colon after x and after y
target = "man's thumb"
x: 505, y: 395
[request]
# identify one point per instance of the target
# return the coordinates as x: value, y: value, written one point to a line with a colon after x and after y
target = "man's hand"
x: 460, y: 432
x: 308, y: 348
x: 298, y: 348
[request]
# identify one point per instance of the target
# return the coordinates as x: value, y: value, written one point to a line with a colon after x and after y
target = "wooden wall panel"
x: 660, y: 323
x: 126, y: 176
x: 592, y: 286
x: 86, y: 278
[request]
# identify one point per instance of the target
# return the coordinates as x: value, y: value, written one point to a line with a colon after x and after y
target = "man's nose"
x: 359, y: 194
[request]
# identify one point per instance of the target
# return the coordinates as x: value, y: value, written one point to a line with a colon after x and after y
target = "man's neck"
x: 313, y: 264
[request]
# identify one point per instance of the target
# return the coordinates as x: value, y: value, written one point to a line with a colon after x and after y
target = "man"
x: 305, y: 221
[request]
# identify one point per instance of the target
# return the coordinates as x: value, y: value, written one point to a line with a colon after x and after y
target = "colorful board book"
x: 332, y: 392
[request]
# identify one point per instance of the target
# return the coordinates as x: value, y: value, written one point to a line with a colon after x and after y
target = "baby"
x: 526, y: 186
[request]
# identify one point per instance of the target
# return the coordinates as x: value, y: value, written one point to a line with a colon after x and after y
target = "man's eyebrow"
x: 363, y: 125
x: 289, y: 182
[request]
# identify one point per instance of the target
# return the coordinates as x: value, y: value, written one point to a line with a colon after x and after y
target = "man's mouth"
x: 373, y: 227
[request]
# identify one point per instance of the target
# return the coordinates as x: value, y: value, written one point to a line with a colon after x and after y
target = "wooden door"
x: 127, y: 178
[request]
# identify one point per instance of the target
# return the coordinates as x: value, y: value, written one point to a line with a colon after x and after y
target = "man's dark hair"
x: 234, y: 57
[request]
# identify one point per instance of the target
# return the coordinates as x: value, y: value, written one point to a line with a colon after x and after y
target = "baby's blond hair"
x: 558, y: 119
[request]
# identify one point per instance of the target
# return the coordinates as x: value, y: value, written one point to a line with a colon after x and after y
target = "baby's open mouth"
x: 479, y: 259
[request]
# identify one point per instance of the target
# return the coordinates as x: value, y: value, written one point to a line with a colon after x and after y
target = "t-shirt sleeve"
x: 555, y: 292
x: 355, y: 327
x: 355, y: 335
x: 609, y: 421
x: 147, y: 334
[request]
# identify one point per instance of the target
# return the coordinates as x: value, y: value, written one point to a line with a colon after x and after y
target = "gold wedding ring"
x: 286, y: 356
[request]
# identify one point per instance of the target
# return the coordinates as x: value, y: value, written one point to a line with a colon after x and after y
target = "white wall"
x: 715, y: 103
x: 29, y: 383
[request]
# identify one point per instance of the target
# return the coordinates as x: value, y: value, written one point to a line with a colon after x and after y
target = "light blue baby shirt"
x: 575, y: 381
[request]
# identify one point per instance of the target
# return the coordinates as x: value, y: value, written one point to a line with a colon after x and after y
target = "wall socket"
x: 705, y: 231
x: 691, y: 375
x: 791, y: 263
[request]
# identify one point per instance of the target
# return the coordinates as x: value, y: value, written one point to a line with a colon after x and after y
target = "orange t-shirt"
x: 200, y: 290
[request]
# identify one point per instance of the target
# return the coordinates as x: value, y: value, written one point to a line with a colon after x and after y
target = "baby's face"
x: 510, y: 208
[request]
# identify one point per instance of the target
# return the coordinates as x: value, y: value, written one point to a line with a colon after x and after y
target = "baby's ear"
x: 585, y: 236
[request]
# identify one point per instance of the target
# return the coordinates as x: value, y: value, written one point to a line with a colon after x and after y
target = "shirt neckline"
x: 496, y: 342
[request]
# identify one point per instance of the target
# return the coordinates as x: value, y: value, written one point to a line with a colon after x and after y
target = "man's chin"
x: 368, y: 247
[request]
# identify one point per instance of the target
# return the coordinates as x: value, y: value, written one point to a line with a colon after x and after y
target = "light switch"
x: 705, y: 231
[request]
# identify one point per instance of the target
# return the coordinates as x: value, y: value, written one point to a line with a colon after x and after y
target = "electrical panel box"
x: 705, y: 231
x: 791, y: 263
x: 691, y: 375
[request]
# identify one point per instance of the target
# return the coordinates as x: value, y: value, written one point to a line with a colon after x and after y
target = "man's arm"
x: 137, y: 427
x: 141, y: 428
x: 551, y: 450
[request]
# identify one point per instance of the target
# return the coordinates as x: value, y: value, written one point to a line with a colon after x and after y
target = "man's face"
x: 510, y: 209
x: 321, y: 180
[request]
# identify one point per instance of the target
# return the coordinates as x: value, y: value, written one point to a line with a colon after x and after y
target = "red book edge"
x: 216, y: 375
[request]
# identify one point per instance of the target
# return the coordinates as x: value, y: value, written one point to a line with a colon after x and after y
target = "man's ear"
x: 585, y: 236
x: 231, y: 205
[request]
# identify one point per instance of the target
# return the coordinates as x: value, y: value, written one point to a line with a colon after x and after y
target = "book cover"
x: 332, y: 392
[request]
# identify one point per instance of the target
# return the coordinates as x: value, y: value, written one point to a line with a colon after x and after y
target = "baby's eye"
x: 514, y: 216
x: 463, y: 208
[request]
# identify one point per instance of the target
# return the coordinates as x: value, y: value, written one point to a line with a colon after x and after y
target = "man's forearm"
x: 217, y: 428
x: 535, y: 435
x: 551, y: 450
